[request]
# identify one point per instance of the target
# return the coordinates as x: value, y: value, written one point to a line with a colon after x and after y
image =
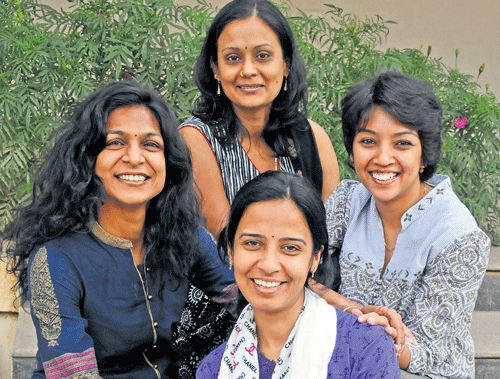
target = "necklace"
x: 388, y: 248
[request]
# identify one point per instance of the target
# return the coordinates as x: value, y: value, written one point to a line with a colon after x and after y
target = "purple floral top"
x: 361, y: 351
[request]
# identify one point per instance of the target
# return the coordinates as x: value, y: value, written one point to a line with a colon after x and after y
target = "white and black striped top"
x: 235, y: 166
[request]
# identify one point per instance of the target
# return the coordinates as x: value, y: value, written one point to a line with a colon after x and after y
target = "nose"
x: 248, y: 69
x: 269, y: 261
x: 133, y: 154
x: 385, y: 155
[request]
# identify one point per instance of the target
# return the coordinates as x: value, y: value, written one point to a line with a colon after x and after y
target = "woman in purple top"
x: 275, y: 238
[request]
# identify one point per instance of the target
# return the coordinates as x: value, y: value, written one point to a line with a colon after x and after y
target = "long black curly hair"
x: 67, y: 191
x: 287, y: 108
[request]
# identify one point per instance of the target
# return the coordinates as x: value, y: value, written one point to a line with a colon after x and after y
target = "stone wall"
x: 8, y: 321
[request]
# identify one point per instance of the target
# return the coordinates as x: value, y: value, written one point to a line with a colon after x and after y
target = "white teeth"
x: 384, y: 175
x: 133, y: 178
x: 263, y: 283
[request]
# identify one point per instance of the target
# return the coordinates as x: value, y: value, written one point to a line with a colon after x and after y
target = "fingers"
x: 373, y: 319
x: 391, y: 331
x: 409, y: 337
x: 397, y: 323
x: 393, y: 319
x: 356, y: 312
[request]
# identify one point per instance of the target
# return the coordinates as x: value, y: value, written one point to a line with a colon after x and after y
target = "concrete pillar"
x: 25, y: 346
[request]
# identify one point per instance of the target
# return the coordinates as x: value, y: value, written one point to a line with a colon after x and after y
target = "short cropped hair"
x: 409, y: 100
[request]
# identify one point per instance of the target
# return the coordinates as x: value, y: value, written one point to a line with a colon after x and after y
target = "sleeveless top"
x: 237, y: 169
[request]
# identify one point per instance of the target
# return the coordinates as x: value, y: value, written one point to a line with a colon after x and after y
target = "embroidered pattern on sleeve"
x: 443, y: 309
x: 43, y: 299
x: 73, y: 366
x: 337, y: 211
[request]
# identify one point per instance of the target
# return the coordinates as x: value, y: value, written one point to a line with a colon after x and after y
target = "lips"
x: 132, y: 178
x: 252, y: 87
x: 384, y: 176
x: 266, y: 284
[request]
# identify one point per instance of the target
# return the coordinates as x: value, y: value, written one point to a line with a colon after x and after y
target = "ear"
x: 316, y: 259
x: 215, y: 69
x: 286, y: 68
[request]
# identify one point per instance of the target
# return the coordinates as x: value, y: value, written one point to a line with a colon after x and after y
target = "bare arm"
x: 208, y: 180
x: 328, y: 159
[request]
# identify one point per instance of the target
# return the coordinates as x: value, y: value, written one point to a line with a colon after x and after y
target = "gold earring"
x: 286, y: 81
x: 218, y: 87
x: 421, y: 169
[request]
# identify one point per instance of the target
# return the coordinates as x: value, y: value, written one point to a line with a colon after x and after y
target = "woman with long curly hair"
x: 109, y: 246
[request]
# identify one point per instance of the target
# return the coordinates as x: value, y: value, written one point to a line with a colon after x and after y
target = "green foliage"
x: 52, y: 58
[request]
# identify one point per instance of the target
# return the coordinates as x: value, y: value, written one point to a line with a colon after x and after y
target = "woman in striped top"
x: 251, y: 115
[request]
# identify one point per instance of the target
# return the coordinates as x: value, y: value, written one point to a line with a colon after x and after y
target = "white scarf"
x: 306, y: 353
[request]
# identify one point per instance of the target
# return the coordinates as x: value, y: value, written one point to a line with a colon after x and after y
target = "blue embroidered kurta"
x: 97, y: 314
x: 432, y: 279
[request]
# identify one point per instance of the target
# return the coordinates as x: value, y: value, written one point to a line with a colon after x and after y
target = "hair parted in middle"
x: 277, y: 185
x: 217, y: 111
x: 409, y: 100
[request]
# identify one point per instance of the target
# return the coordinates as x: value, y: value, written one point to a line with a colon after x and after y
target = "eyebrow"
x: 261, y: 236
x: 411, y: 132
x: 255, y: 47
x: 121, y: 133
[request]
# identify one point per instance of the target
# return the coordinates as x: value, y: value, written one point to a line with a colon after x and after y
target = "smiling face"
x: 250, y: 64
x: 387, y: 158
x: 272, y: 256
x: 132, y: 165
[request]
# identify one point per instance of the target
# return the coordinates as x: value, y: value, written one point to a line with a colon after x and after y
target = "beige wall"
x: 471, y: 26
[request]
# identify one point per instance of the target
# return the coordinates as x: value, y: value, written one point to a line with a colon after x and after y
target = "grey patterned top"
x: 235, y: 166
x: 433, y: 277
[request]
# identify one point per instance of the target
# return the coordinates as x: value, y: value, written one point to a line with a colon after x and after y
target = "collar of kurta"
x: 107, y: 238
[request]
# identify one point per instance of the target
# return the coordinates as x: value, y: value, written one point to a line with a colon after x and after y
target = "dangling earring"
x: 285, y: 87
x: 230, y: 265
x: 218, y: 88
x: 312, y: 274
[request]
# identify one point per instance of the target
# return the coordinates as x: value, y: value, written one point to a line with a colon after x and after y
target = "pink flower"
x: 461, y: 122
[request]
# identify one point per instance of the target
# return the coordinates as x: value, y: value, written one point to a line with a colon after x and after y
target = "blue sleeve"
x: 362, y: 351
x: 64, y: 347
x: 210, y: 365
x: 210, y: 273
